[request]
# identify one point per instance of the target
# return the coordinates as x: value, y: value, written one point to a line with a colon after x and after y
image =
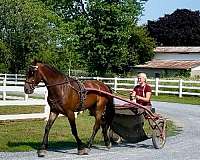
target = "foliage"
x: 110, y: 41
x: 97, y: 35
x: 5, y: 57
x: 181, y: 28
x: 31, y: 30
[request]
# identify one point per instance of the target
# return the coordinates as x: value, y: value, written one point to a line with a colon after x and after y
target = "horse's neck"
x: 51, y: 77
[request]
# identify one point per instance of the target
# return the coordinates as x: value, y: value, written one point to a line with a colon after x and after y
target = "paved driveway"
x: 184, y: 146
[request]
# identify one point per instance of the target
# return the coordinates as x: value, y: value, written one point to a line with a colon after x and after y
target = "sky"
x: 158, y: 8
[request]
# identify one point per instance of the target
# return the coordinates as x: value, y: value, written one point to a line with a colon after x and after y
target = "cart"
x: 128, y: 125
x: 129, y: 119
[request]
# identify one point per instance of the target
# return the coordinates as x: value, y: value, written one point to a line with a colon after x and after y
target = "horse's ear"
x: 34, y: 61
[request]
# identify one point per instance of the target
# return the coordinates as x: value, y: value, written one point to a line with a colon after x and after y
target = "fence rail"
x: 10, y: 84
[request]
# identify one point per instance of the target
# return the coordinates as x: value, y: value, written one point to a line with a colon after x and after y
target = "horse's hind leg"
x: 51, y: 120
x: 105, y: 126
x: 81, y: 146
x: 95, y: 128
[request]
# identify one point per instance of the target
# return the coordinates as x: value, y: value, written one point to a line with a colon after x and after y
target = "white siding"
x: 195, y: 71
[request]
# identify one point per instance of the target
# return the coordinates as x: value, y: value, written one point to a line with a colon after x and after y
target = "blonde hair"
x: 143, y: 75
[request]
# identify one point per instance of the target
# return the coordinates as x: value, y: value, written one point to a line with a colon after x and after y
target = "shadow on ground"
x: 53, y: 145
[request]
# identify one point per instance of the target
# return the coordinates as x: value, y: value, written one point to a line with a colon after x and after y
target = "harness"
x: 82, y: 92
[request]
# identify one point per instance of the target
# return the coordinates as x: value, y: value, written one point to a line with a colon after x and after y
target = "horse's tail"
x: 110, y: 108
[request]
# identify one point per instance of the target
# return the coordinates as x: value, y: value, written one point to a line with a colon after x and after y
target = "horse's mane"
x: 53, y: 69
x: 35, y: 61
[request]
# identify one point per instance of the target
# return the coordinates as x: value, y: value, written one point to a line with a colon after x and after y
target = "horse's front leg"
x: 51, y: 120
x: 81, y: 146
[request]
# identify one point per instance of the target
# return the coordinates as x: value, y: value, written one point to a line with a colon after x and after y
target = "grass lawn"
x: 20, y: 109
x: 27, y: 135
x: 195, y: 100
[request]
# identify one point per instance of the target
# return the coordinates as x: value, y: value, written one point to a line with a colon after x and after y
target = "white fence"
x: 12, y: 86
x: 160, y: 86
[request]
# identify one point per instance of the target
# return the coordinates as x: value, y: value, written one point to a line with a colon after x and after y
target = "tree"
x: 29, y: 29
x: 110, y: 41
x: 181, y: 28
x: 100, y: 35
x: 5, y: 57
x: 107, y: 33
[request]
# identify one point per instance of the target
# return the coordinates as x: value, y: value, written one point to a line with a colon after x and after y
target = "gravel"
x: 183, y: 146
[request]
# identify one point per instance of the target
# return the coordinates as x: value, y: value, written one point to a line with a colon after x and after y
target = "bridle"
x: 33, y: 85
x: 81, y: 88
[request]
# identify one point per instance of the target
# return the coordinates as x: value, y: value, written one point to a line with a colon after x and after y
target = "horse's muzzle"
x: 28, y: 88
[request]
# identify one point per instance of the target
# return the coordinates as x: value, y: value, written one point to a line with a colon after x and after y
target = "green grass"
x: 19, y: 94
x: 195, y: 100
x: 4, y: 110
x: 27, y: 135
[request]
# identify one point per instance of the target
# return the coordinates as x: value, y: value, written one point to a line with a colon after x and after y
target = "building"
x: 173, y: 61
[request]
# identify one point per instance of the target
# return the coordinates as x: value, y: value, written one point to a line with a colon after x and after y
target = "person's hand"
x: 137, y: 97
x: 134, y: 100
x: 132, y: 97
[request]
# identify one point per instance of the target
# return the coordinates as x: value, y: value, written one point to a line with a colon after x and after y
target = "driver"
x: 141, y: 93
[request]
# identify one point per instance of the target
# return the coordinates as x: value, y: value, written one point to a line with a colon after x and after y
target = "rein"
x: 61, y: 83
x: 80, y: 90
x: 56, y: 84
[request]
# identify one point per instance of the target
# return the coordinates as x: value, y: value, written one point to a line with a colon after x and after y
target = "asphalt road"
x: 183, y: 146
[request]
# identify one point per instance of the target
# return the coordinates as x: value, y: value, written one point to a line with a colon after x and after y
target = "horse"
x: 67, y: 95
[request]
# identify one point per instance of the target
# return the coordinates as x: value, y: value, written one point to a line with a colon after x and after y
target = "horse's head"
x: 33, y: 78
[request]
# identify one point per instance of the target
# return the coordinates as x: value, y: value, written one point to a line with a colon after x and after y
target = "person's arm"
x: 146, y: 99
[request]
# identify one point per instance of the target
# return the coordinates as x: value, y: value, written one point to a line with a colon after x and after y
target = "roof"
x: 177, y: 50
x: 169, y: 64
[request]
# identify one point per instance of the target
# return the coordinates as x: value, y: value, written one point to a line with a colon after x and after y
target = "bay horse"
x: 67, y: 95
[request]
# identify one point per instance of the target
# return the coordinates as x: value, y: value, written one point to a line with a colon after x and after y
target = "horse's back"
x: 95, y: 84
x: 94, y: 97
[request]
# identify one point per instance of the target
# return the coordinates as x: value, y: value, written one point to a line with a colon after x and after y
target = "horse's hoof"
x: 41, y: 153
x: 109, y: 145
x: 83, y: 151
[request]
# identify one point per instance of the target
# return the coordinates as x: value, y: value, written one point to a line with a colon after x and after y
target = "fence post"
x: 46, y: 108
x: 26, y: 97
x: 4, y: 88
x: 156, y: 86
x: 180, y: 88
x: 15, y: 79
x: 115, y: 85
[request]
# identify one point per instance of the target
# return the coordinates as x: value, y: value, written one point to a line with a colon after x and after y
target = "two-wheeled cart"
x: 129, y: 120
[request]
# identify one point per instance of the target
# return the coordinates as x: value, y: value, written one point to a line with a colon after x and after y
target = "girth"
x: 82, y: 92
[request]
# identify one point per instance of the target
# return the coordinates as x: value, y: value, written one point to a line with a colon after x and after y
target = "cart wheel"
x: 159, y: 136
x: 115, y: 138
